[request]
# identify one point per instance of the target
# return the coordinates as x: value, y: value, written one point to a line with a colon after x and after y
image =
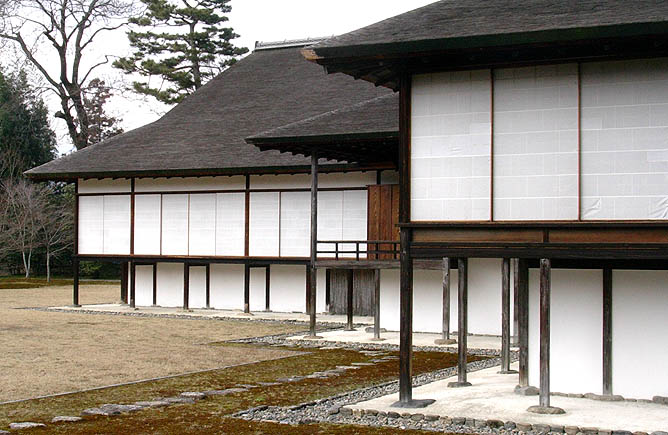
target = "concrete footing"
x: 414, y: 403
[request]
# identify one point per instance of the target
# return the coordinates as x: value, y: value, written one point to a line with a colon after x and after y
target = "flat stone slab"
x: 194, y: 395
x: 152, y: 403
x: 268, y: 384
x: 179, y: 400
x: 225, y: 391
x: 111, y: 409
x: 25, y: 425
x: 548, y: 410
x: 65, y: 418
x: 362, y: 364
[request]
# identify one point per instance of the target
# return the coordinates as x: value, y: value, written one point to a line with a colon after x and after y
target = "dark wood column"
x: 349, y: 299
x: 545, y: 296
x: 75, y: 283
x: 607, y: 331
x: 133, y: 281
x: 247, y: 288
x: 515, y: 337
x: 208, y: 285
x: 75, y: 261
x: 462, y: 327
x: 155, y: 284
x: 376, y: 306
x: 505, y: 317
x: 445, y: 337
x: 328, y: 290
x: 312, y: 275
x: 522, y: 283
x: 124, y: 282
x: 186, y: 286
x: 267, y: 289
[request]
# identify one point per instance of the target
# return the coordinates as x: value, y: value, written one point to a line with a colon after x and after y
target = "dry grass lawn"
x: 48, y: 352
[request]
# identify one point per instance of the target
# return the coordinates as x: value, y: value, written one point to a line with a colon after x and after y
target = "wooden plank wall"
x: 383, y: 215
x: 363, y: 301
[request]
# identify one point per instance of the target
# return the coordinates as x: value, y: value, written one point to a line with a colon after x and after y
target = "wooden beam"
x: 133, y: 282
x: 523, y: 321
x: 376, y: 306
x: 505, y: 317
x: 514, y: 339
x: 462, y: 327
x: 208, y: 285
x: 349, y: 299
x: 267, y: 289
x: 445, y: 337
x: 247, y: 288
x: 155, y: 284
x: 186, y: 286
x: 607, y: 331
x: 75, y: 262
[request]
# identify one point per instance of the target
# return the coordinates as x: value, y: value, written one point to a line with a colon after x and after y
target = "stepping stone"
x: 268, y: 384
x: 347, y: 367
x: 3, y: 432
x: 225, y: 392
x: 184, y: 400
x: 196, y: 395
x: 25, y: 425
x: 291, y: 379
x: 111, y: 409
x: 152, y: 403
x: 362, y: 364
x: 65, y: 418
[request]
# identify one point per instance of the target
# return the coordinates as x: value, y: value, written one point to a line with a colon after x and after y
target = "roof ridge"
x: 261, y: 45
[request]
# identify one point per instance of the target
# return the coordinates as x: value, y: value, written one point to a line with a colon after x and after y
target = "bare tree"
x: 55, y: 227
x: 69, y: 27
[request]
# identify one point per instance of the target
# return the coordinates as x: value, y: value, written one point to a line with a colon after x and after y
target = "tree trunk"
x: 48, y: 267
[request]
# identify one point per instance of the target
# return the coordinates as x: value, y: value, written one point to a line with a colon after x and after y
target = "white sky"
x: 254, y: 20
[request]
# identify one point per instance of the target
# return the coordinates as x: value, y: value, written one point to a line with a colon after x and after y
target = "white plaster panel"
x: 105, y: 185
x: 202, y: 224
x: 295, y: 224
x: 536, y: 143
x: 624, y: 151
x: 639, y: 325
x: 91, y: 225
x: 227, y: 286
x: 197, y: 287
x: 280, y: 181
x: 116, y: 224
x: 230, y: 224
x: 257, y: 288
x: 346, y: 179
x: 354, y: 219
x: 321, y: 286
x: 484, y: 303
x: 450, y: 146
x: 389, y: 299
x: 427, y: 301
x: 576, y: 319
x: 176, y: 184
x: 147, y: 224
x: 170, y: 285
x: 175, y: 224
x: 144, y: 285
x: 264, y: 224
x: 330, y: 219
x: 288, y: 288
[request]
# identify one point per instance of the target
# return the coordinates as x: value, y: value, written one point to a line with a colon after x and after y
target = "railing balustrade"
x: 363, y: 249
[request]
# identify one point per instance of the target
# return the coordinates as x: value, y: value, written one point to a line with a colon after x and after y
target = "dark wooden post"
x: 376, y: 306
x: 124, y: 282
x: 607, y: 331
x: 155, y: 284
x: 247, y: 288
x: 445, y: 337
x: 312, y: 276
x: 545, y: 296
x: 133, y: 281
x: 515, y: 337
x: 462, y: 328
x: 75, y: 283
x: 522, y: 283
x: 328, y: 290
x: 349, y: 300
x: 267, y: 289
x: 307, y: 277
x: 505, y: 317
x: 186, y: 286
x: 208, y: 285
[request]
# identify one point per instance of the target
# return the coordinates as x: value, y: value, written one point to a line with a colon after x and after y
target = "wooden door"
x: 383, y: 217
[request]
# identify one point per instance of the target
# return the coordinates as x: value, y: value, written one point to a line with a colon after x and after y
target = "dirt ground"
x: 48, y: 352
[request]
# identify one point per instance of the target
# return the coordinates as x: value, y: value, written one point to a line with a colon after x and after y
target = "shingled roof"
x: 204, y: 135
x: 449, y: 25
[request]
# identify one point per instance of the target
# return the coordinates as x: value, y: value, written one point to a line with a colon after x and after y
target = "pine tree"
x: 194, y: 46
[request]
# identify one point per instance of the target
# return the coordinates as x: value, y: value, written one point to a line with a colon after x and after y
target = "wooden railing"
x: 363, y: 249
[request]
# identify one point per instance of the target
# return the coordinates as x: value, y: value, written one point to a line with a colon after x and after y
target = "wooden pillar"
x: 349, y: 300
x: 307, y: 277
x: 186, y: 286
x: 155, y: 284
x: 376, y: 306
x: 523, y: 322
x: 133, y: 281
x: 406, y: 321
x: 313, y: 272
x: 515, y: 337
x: 505, y: 317
x: 75, y: 283
x: 124, y: 282
x: 445, y: 337
x: 462, y: 327
x: 328, y: 290
x: 208, y: 285
x: 545, y: 294
x: 247, y: 288
x: 607, y: 331
x: 267, y: 289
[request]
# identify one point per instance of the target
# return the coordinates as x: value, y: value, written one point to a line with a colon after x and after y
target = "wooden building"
x: 532, y: 131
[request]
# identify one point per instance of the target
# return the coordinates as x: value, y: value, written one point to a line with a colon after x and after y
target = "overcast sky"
x: 253, y: 20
